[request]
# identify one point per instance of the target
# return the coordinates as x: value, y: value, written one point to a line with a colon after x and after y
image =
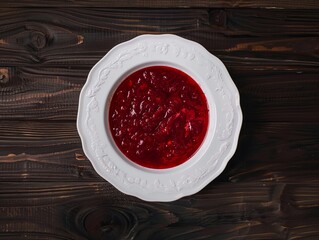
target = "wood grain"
x: 288, y: 4
x: 98, y: 211
x: 73, y: 37
x: 41, y: 93
x: 266, y: 23
x: 267, y: 152
x: 269, y: 189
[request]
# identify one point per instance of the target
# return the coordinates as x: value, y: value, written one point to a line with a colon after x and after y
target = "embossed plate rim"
x: 222, y: 137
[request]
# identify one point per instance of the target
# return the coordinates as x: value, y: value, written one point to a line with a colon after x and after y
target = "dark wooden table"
x: 270, y: 188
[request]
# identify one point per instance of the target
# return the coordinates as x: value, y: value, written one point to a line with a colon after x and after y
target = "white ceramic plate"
x: 225, y: 117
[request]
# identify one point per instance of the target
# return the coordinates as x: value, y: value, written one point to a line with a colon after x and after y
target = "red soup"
x: 158, y: 117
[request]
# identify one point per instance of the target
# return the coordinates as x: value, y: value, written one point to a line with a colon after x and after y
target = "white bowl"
x: 225, y: 117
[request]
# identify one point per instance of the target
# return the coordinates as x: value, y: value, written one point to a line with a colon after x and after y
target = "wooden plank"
x: 267, y: 152
x: 49, y: 93
x: 98, y: 211
x: 278, y: 96
x: 29, y: 93
x: 48, y: 188
x: 276, y: 152
x: 73, y: 37
x: 263, y: 23
x: 35, y: 151
x: 288, y: 4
